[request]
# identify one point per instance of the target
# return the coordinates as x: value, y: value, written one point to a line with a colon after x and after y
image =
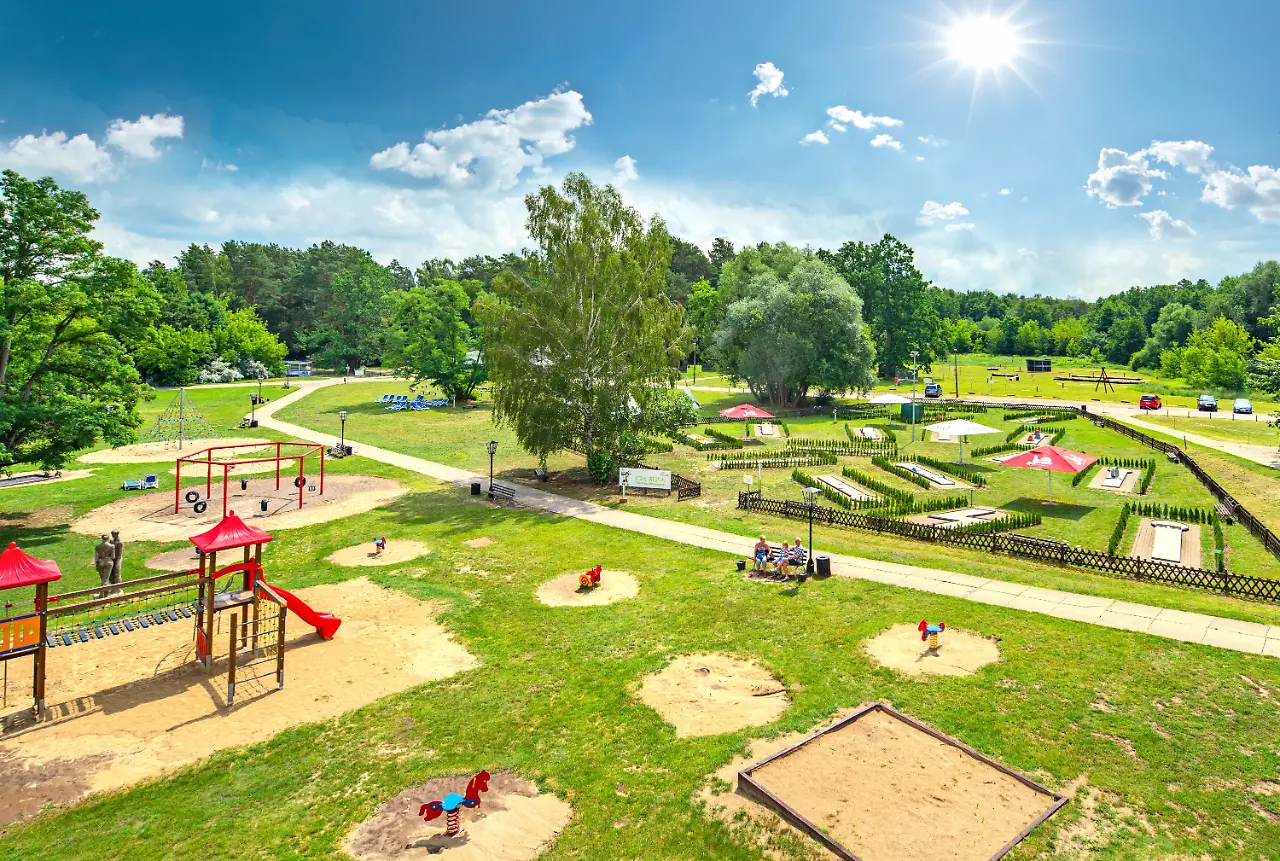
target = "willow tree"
x: 581, y: 344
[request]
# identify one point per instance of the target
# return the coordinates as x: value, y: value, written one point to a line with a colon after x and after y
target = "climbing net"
x: 180, y: 420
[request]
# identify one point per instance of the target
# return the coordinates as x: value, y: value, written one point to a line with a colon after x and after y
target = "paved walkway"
x: 1159, y: 621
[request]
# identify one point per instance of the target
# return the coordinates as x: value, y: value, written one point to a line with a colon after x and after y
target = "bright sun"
x: 983, y: 42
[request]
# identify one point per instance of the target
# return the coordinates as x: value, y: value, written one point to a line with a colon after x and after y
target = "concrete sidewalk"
x: 1249, y: 637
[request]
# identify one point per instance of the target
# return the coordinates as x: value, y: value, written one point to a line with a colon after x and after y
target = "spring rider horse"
x: 929, y: 633
x: 590, y: 578
x: 450, y: 804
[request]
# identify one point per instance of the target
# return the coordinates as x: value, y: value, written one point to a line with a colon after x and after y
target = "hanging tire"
x: 200, y: 506
x: 192, y: 495
x: 299, y: 481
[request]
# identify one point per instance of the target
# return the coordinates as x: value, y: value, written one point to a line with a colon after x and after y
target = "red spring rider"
x: 590, y: 578
x: 452, y: 803
x: 929, y: 633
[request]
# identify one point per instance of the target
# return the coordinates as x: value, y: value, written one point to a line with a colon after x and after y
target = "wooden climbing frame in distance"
x: 749, y: 787
x: 298, y: 451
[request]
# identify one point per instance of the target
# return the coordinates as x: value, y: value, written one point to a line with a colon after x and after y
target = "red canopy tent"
x: 1052, y: 459
x: 745, y: 412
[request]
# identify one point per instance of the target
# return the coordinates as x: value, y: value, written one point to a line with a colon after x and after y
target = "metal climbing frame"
x: 256, y: 648
x: 205, y: 457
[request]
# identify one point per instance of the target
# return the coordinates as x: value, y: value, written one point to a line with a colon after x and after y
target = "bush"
x: 859, y: 447
x: 218, y: 371
x: 989, y: 450
x: 252, y: 369
x: 1219, y: 544
x: 750, y: 460
x: 1117, y: 534
x: 905, y: 474
x: 721, y: 436
x: 600, y: 464
x: 959, y: 470
x: 805, y: 480
x: 1005, y: 523
x: 786, y: 431
x: 1084, y: 473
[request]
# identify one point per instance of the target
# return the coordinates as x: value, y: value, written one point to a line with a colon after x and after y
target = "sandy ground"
x: 398, y: 550
x: 67, y: 475
x: 564, y: 590
x: 192, y: 470
x: 477, y: 543
x: 959, y: 652
x: 129, y: 707
x: 151, y: 518
x: 1144, y: 543
x: 182, y: 559
x: 155, y: 452
x: 711, y: 694
x: 513, y: 822
x: 1127, y: 486
x: 890, y: 792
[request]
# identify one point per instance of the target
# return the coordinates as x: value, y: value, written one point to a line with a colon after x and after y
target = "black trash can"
x: 824, y: 566
x: 475, y: 488
x: 742, y: 565
x: 253, y: 423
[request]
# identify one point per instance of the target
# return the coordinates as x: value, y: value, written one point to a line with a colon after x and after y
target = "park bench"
x: 774, y: 550
x: 1172, y: 455
x: 501, y: 491
x: 1226, y: 512
x: 539, y: 473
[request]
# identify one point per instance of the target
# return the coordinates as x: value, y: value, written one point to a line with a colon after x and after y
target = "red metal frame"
x: 205, y: 456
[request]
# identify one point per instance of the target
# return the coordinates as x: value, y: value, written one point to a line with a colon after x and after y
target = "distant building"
x: 297, y: 368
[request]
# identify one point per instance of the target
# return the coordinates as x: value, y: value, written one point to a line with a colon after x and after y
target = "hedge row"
x: 874, y: 485
x: 1219, y: 544
x: 906, y: 474
x: 1117, y: 534
x: 1164, y: 511
x: 988, y: 450
x: 1046, y: 415
x: 923, y: 505
x: 750, y: 460
x: 959, y: 470
x: 1004, y: 523
x: 858, y: 447
x: 727, y: 439
x: 803, y: 479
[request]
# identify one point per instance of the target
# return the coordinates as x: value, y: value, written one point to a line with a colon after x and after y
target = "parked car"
x: 1243, y: 406
x: 1207, y: 404
x: 1149, y: 402
x: 933, y: 390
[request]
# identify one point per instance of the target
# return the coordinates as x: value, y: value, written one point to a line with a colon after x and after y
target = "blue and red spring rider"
x: 929, y: 633
x: 452, y: 803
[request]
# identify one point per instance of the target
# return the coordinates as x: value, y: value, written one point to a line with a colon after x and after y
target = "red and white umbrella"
x: 1052, y: 459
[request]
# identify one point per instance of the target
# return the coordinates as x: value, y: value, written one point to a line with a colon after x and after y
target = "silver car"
x: 1243, y: 406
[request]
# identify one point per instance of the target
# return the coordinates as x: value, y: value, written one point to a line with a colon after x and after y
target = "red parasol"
x: 746, y: 412
x: 19, y: 569
x: 1052, y: 459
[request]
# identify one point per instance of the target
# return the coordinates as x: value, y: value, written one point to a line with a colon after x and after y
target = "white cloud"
x: 138, y: 138
x: 933, y: 212
x: 624, y: 171
x: 1165, y: 225
x: 1257, y: 190
x: 1005, y: 192
x: 842, y: 116
x: 770, y: 83
x: 77, y: 158
x: 930, y: 140
x: 960, y: 225
x: 837, y: 126
x: 886, y: 141
x: 493, y: 151
x: 1192, y: 156
x: 205, y: 164
x: 814, y: 137
x: 919, y: 158
x: 1122, y: 179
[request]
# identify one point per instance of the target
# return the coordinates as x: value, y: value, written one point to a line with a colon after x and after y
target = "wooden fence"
x: 1022, y: 546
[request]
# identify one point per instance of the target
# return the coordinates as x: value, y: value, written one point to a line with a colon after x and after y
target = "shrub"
x: 1117, y: 534
x: 859, y: 447
x: 886, y: 490
x: 1219, y: 545
x: 750, y: 460
x: 600, y: 464
x: 805, y: 480
x: 786, y: 431
x: 218, y: 371
x: 960, y: 470
x: 1004, y: 523
x: 989, y: 450
x: 905, y: 474
x: 1084, y: 473
x: 721, y: 436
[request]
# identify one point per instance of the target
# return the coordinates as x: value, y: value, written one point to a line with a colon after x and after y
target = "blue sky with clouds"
x: 1125, y: 143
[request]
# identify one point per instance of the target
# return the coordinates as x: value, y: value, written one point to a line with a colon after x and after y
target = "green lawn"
x: 1174, y: 736
x: 1082, y: 516
x: 1252, y: 430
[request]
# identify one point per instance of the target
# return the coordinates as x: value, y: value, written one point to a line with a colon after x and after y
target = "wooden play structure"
x: 298, y: 451
x: 1102, y: 380
x: 256, y: 633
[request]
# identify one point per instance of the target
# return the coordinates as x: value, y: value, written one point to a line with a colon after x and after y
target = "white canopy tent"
x: 960, y: 428
x: 889, y: 398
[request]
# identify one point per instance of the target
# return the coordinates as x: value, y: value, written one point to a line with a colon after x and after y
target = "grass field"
x: 1081, y: 516
x: 1252, y: 430
x: 1168, y: 748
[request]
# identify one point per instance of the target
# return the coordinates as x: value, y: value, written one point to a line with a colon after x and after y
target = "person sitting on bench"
x: 797, y: 553
x: 762, y: 553
x: 783, y: 560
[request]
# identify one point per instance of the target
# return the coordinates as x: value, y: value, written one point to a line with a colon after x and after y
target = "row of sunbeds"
x: 395, y: 403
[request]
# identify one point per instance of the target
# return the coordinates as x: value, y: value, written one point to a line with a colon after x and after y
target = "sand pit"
x: 151, y: 517
x: 712, y: 694
x: 398, y: 550
x: 182, y: 559
x: 564, y: 591
x: 155, y: 452
x: 959, y: 652
x: 514, y: 822
x: 885, y: 789
x: 478, y: 543
x: 30, y: 479
x: 1144, y: 545
x: 1104, y: 474
x: 130, y: 707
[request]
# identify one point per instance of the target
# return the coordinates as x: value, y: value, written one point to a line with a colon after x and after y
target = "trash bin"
x: 824, y: 566
x: 253, y: 423
x: 350, y: 450
x: 475, y: 488
x: 909, y: 409
x: 742, y: 565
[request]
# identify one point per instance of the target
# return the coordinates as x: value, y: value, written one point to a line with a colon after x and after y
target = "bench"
x: 501, y: 491
x: 1172, y: 455
x: 539, y: 473
x: 1226, y: 512
x: 774, y: 550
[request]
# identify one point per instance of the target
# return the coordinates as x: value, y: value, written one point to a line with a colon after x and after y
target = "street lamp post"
x: 810, y: 498
x: 915, y: 373
x: 342, y: 439
x: 492, y: 446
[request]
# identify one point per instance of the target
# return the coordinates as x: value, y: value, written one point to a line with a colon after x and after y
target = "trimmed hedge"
x: 959, y: 470
x: 905, y: 474
x: 1164, y: 511
x: 923, y: 505
x: 750, y: 460
x: 1117, y: 534
x: 1044, y: 416
x: 1220, y: 545
x: 803, y: 479
x: 886, y: 490
x: 858, y: 447
x: 988, y: 450
x: 730, y: 441
x: 1005, y: 523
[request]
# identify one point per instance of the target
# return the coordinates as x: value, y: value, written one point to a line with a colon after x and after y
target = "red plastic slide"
x: 326, y: 624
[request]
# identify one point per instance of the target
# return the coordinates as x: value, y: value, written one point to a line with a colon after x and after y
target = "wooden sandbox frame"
x: 749, y: 787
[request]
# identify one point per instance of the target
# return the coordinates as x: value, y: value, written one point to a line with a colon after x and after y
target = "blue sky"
x: 1126, y: 143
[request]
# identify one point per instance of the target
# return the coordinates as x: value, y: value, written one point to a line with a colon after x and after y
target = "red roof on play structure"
x: 745, y: 411
x: 19, y: 569
x: 231, y: 532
